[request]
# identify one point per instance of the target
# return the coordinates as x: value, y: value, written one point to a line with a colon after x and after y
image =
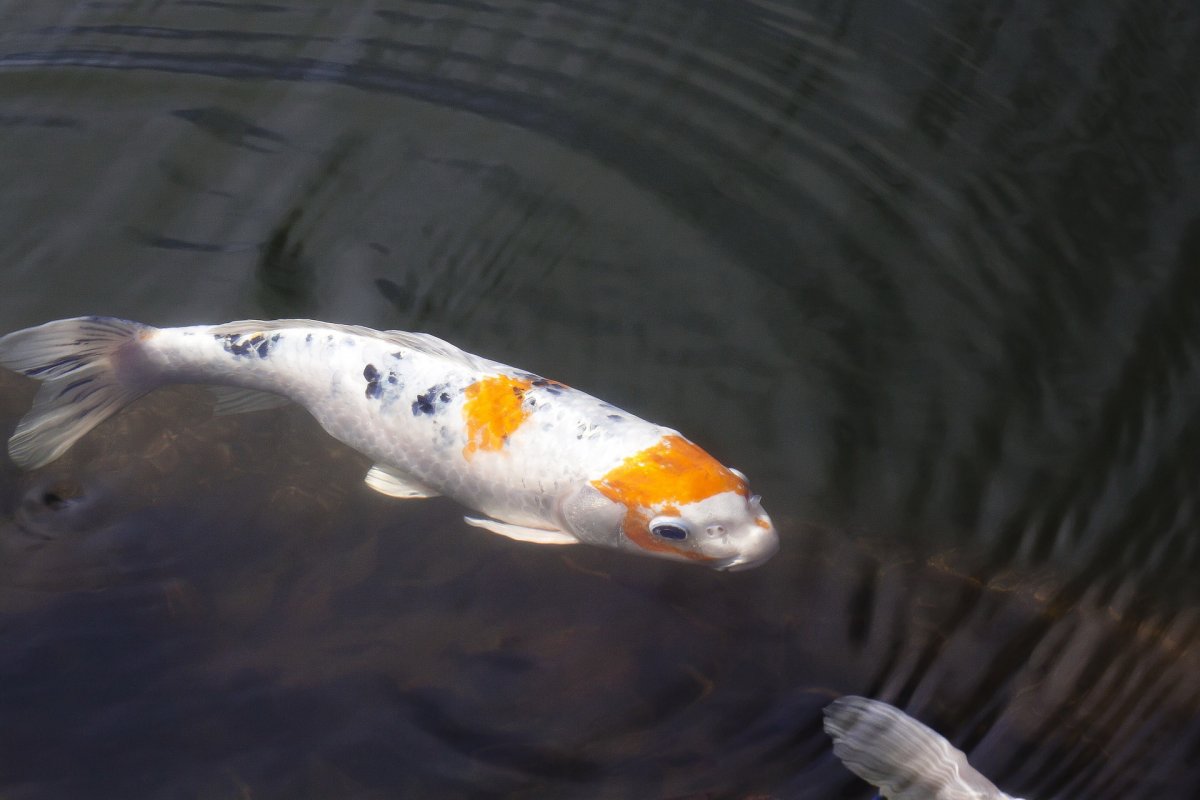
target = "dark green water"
x: 928, y: 272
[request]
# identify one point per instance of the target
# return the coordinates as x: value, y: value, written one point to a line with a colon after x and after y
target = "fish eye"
x: 669, y: 530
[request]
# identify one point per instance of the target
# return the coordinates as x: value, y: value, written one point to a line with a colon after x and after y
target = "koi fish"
x: 903, y: 758
x: 541, y: 462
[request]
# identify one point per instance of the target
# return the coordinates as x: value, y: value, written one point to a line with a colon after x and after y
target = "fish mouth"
x: 757, y: 554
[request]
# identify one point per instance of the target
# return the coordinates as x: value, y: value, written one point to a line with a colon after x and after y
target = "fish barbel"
x: 540, y: 461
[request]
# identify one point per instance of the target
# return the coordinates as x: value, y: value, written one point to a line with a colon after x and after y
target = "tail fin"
x: 77, y: 360
x: 905, y: 759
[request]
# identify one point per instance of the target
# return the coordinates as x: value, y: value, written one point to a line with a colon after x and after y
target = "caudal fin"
x: 905, y: 759
x: 77, y: 360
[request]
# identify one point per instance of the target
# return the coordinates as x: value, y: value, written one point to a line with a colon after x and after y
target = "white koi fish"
x: 903, y: 758
x: 542, y: 462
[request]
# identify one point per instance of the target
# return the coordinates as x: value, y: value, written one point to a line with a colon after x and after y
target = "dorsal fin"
x: 432, y: 345
x: 420, y: 342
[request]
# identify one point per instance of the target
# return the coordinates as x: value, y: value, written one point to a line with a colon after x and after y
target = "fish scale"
x: 543, y: 462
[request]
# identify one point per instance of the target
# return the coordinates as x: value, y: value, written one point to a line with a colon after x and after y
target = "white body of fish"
x: 543, y: 462
x: 904, y: 758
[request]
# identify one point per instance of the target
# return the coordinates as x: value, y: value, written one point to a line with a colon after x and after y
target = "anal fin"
x: 394, y: 483
x: 522, y: 533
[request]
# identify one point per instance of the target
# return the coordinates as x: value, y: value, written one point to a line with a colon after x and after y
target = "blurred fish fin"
x: 905, y: 759
x: 431, y: 345
x: 394, y: 483
x: 77, y: 360
x: 521, y: 533
x: 235, y: 400
x: 410, y: 340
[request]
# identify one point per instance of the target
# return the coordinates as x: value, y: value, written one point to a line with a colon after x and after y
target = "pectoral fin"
x: 521, y: 533
x: 394, y: 483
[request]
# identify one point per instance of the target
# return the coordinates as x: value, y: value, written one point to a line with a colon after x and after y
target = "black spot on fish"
x: 374, y: 387
x: 308, y: 337
x: 399, y: 354
x: 427, y: 403
x: 233, y: 345
x: 553, y: 387
x: 616, y: 417
x: 375, y: 381
x: 236, y: 346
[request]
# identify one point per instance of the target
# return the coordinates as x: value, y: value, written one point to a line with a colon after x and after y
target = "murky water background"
x: 928, y: 272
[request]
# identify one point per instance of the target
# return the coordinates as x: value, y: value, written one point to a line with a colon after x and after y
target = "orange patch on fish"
x: 494, y: 409
x: 762, y: 523
x: 673, y: 471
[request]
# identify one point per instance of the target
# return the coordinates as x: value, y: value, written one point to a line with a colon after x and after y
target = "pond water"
x: 927, y: 272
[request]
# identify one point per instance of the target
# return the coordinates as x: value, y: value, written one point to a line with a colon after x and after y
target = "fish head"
x: 674, y: 501
x: 727, y: 531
